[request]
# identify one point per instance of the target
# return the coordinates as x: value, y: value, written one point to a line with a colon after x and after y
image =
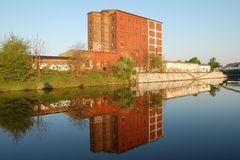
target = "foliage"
x: 62, y: 80
x: 156, y: 99
x: 156, y: 62
x: 15, y: 60
x: 15, y: 116
x: 125, y: 67
x: 124, y: 96
x: 213, y: 63
x: 194, y: 60
x: 214, y: 90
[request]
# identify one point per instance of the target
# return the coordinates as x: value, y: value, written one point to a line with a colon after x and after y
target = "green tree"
x: 125, y: 67
x: 15, y: 59
x: 194, y: 60
x: 213, y: 63
x: 15, y: 116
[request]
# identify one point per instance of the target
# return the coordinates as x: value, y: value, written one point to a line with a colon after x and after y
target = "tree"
x: 38, y: 48
x: 125, y: 67
x: 214, y: 90
x: 213, y: 63
x: 78, y: 59
x: 16, y: 116
x: 157, y: 62
x: 15, y: 59
x: 79, y: 46
x: 194, y: 60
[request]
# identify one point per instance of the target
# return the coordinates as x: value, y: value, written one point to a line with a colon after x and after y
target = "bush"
x: 15, y: 59
x: 125, y: 67
x: 213, y: 63
x: 194, y: 60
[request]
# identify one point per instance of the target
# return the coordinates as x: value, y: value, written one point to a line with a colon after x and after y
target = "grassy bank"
x: 61, y: 80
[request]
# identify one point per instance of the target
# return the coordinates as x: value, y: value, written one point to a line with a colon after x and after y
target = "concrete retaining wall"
x: 163, y: 77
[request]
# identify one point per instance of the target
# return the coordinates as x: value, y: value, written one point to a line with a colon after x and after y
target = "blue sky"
x: 202, y: 28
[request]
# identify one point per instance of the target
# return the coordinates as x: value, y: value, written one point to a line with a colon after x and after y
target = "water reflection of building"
x: 126, y: 129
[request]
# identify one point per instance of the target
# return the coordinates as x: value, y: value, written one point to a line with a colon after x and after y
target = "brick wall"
x: 97, y: 60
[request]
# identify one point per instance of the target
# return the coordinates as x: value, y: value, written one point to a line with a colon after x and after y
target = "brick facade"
x: 125, y: 33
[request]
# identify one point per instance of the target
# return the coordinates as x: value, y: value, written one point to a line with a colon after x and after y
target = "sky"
x: 191, y: 28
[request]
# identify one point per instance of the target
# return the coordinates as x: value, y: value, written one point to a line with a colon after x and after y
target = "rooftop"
x: 126, y: 13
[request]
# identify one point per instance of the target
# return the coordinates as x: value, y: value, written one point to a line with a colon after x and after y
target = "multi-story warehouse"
x: 125, y: 33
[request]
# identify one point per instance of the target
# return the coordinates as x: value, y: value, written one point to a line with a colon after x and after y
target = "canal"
x: 168, y: 120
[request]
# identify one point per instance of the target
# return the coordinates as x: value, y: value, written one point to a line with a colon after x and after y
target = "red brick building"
x: 125, y: 33
x: 116, y: 130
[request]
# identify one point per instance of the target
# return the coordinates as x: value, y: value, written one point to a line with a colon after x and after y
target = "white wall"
x: 185, y: 67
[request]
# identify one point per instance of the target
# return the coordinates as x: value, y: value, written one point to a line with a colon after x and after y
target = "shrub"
x: 125, y: 67
x: 15, y: 59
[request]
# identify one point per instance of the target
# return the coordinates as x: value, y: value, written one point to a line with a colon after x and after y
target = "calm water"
x: 182, y: 120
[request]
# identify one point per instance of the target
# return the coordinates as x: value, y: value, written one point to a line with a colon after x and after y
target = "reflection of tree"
x: 40, y: 127
x: 156, y: 99
x: 15, y: 116
x: 124, y: 96
x: 213, y: 90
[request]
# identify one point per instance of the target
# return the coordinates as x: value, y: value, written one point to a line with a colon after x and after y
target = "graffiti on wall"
x: 55, y: 67
x: 97, y: 46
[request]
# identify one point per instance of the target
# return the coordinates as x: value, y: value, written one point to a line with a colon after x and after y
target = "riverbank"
x: 67, y: 80
x: 61, y: 80
x: 164, y: 77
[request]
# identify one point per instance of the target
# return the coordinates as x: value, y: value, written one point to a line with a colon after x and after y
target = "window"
x: 136, y: 21
x: 158, y: 26
x: 121, y: 35
x: 129, y: 19
x: 151, y: 25
x: 113, y: 35
x: 129, y: 37
x: 121, y: 17
x: 121, y: 44
x: 129, y: 28
x: 121, y: 26
x: 137, y: 29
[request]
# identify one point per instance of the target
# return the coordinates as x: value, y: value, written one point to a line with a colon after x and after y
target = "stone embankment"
x: 164, y: 77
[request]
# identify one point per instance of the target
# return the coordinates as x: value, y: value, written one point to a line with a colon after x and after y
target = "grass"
x: 61, y: 80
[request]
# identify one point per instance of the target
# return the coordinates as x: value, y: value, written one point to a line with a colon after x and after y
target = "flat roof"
x: 187, y: 63
x: 53, y: 57
x: 126, y: 13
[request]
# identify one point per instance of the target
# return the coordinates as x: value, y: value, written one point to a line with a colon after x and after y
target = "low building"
x: 175, y: 66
